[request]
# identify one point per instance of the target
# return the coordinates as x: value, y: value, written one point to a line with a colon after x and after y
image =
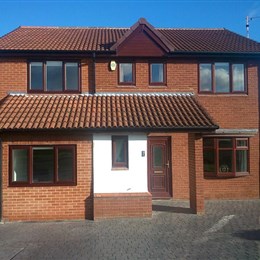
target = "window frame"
x: 120, y: 165
x: 213, y: 79
x: 163, y: 83
x: 127, y: 83
x: 217, y: 173
x: 44, y: 77
x: 30, y: 182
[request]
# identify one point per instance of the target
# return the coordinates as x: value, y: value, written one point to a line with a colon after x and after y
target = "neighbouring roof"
x: 105, y: 39
x: 177, y: 111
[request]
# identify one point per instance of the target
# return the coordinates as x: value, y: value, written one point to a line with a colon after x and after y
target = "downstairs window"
x: 42, y: 165
x: 225, y: 157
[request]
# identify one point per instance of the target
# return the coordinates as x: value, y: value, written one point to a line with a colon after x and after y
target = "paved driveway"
x: 228, y: 230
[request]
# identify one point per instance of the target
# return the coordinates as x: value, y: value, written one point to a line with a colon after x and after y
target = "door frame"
x: 169, y: 169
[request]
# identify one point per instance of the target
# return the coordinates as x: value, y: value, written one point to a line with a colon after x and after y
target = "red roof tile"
x: 103, y: 111
x: 102, y: 39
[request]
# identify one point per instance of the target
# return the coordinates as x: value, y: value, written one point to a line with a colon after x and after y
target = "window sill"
x: 42, y: 184
x: 120, y: 169
x: 126, y: 86
x: 225, y: 176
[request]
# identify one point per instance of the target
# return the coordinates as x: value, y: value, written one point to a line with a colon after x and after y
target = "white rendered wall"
x: 106, y: 180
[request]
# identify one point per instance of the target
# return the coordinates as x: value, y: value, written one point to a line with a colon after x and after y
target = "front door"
x: 159, y: 167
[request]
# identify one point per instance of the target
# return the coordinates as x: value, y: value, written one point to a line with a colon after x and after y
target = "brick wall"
x: 50, y: 202
x: 116, y: 205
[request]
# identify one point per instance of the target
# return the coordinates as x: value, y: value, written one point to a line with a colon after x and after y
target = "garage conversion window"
x: 225, y: 157
x: 222, y: 77
x: 53, y: 76
x: 42, y: 165
x: 120, y: 152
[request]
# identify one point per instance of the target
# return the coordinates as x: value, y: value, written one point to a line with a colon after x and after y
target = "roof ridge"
x: 104, y: 94
x: 70, y: 27
x: 193, y: 29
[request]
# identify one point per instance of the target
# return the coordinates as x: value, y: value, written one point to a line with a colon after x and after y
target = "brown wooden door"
x: 159, y: 177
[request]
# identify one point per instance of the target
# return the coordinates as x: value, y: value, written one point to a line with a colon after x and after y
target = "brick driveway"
x: 228, y: 230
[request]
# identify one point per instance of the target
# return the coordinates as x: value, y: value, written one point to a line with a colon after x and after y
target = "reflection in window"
x: 226, y: 157
x: 54, y: 75
x: 20, y: 165
x: 33, y: 165
x: 238, y: 77
x: 205, y: 77
x: 157, y: 73
x: 222, y: 77
x: 36, y: 82
x: 126, y: 73
x: 119, y: 151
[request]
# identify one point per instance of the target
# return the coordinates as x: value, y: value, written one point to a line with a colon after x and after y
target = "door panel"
x: 159, y: 178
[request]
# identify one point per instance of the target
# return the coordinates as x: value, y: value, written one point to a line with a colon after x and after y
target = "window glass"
x: 205, y: 77
x: 20, y: 165
x: 241, y: 160
x: 65, y: 164
x: 225, y: 143
x: 157, y: 74
x: 157, y: 156
x: 238, y: 77
x: 225, y: 161
x: 222, y: 77
x: 126, y: 72
x: 119, y: 151
x: 72, y: 77
x: 208, y: 142
x: 242, y: 143
x: 43, y: 164
x: 54, y: 75
x: 209, y: 160
x: 36, y: 77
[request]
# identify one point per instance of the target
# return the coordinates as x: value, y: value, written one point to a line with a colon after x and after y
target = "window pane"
x: 225, y: 143
x: 126, y: 72
x: 157, y: 73
x: 209, y: 160
x: 157, y: 156
x: 242, y: 143
x: 43, y: 164
x: 36, y: 75
x: 241, y: 161
x: 72, y: 76
x: 205, y: 77
x: 208, y: 142
x: 225, y: 161
x: 20, y: 165
x: 120, y: 151
x: 54, y: 75
x: 222, y: 77
x: 238, y: 77
x: 65, y: 164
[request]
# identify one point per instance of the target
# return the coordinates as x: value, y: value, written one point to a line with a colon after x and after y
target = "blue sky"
x: 229, y: 14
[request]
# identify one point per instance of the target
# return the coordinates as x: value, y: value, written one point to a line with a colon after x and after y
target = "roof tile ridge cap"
x: 192, y: 29
x: 70, y: 27
x: 240, y: 35
x: 142, y: 94
x: 12, y: 31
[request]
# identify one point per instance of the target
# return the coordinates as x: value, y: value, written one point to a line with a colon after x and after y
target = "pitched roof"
x: 102, y: 39
x: 104, y: 111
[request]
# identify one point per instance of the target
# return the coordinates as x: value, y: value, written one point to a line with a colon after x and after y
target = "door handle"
x: 168, y: 164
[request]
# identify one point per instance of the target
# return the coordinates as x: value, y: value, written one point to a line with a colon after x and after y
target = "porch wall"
x: 50, y: 202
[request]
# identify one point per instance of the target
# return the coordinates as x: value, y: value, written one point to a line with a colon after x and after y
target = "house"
x: 97, y: 122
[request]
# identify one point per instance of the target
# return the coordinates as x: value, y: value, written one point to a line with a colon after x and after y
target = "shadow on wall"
x: 89, y: 208
x: 249, y: 234
x: 172, y: 209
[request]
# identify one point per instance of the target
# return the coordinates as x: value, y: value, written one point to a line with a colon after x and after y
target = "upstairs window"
x: 157, y: 74
x: 54, y: 76
x: 126, y: 74
x: 225, y: 157
x: 222, y: 77
x: 119, y: 152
